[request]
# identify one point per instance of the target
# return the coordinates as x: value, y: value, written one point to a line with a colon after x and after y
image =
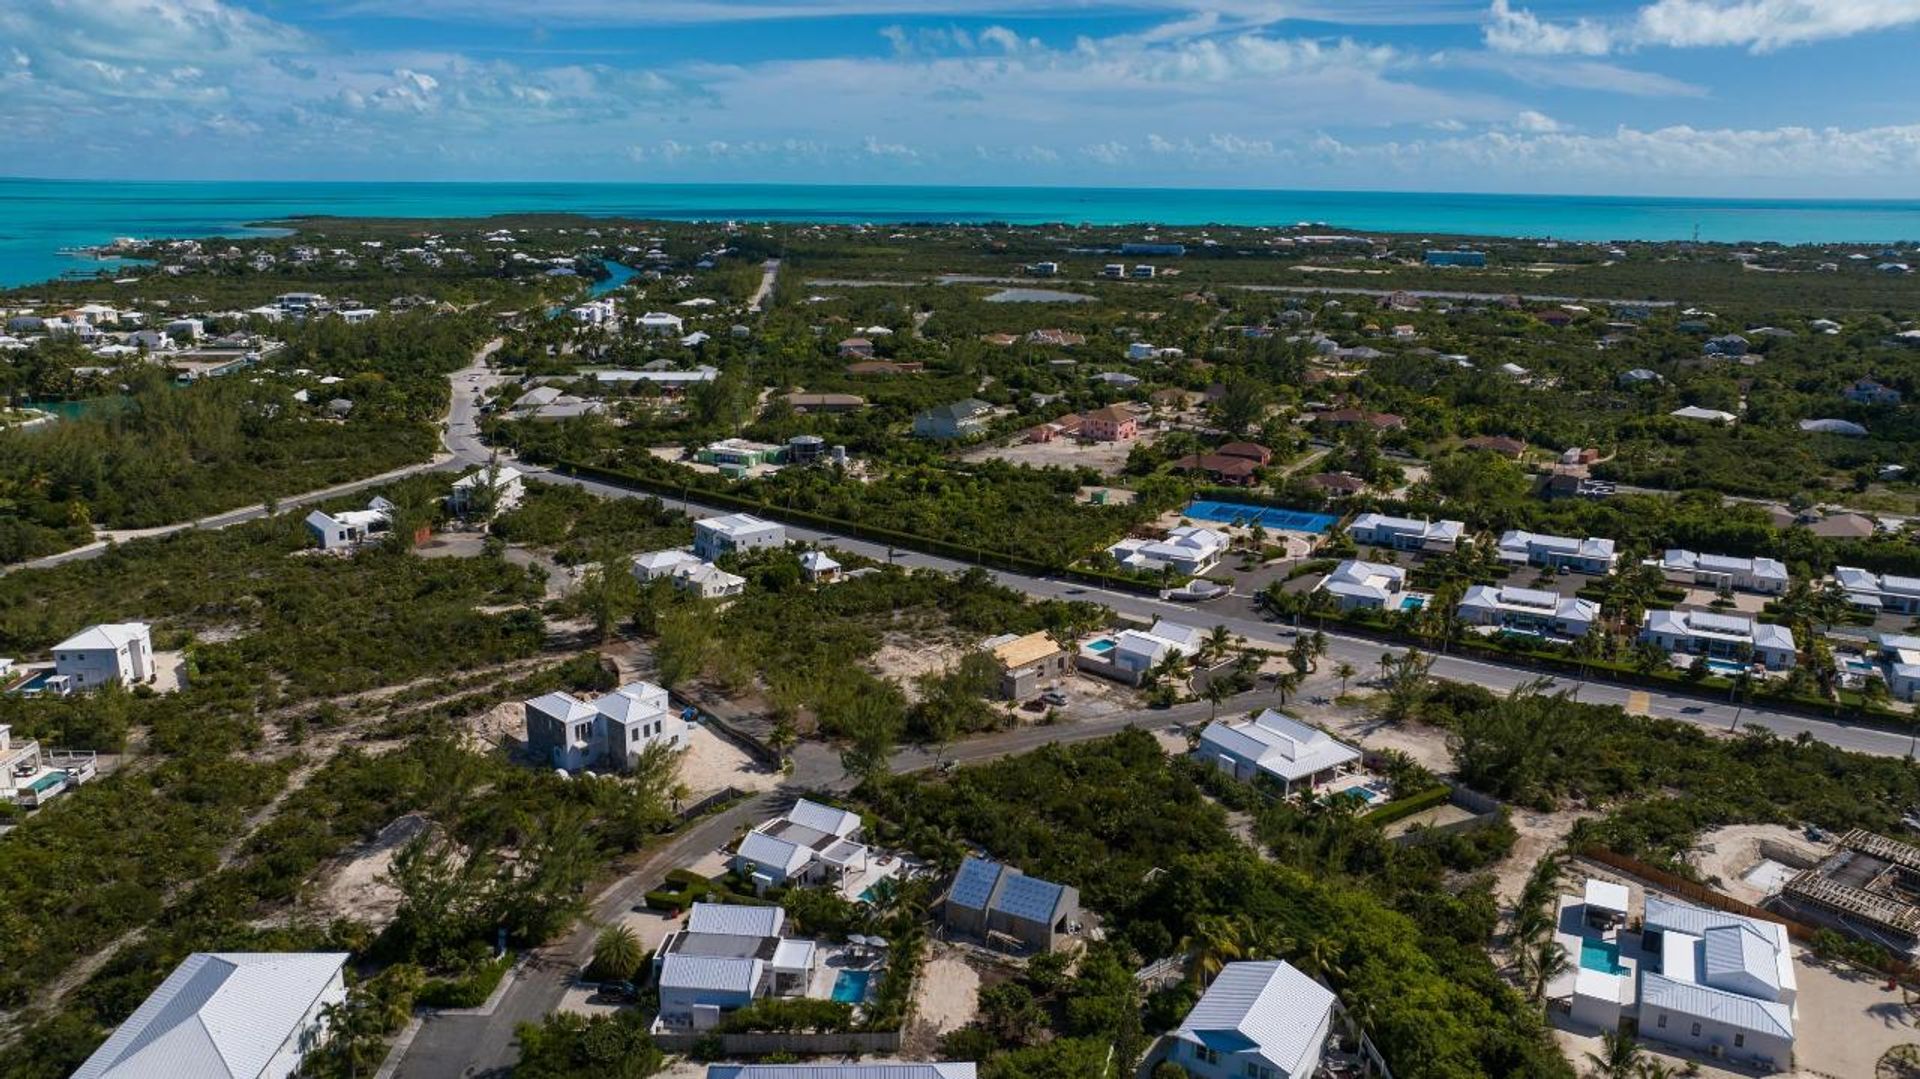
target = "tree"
x: 617, y: 955
x: 1011, y: 1013
x: 685, y: 644
x: 1544, y: 960
x: 1285, y: 683
x: 871, y: 725
x: 607, y: 593
x: 1405, y: 677
x: 1218, y: 690
x: 1619, y: 1057
x: 1218, y: 642
x: 1214, y: 942
x: 1343, y: 671
x: 570, y: 1046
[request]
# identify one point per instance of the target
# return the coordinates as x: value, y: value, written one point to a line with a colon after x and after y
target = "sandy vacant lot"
x: 358, y: 888
x: 1108, y: 458
x: 712, y: 763
x: 947, y: 995
x: 1724, y: 856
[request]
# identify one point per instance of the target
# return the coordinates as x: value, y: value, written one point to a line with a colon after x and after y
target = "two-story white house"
x: 1879, y: 591
x: 119, y: 653
x: 1372, y: 586
x: 1187, y: 549
x: 727, y: 957
x: 1591, y: 555
x: 1528, y: 610
x: 810, y: 843
x: 1725, y: 985
x: 1406, y: 533
x: 1723, y: 637
x: 497, y: 488
x: 1277, y: 749
x: 611, y: 730
x: 1256, y: 1021
x: 716, y: 536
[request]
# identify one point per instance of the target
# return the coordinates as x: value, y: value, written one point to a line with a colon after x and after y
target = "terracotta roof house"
x: 1337, y: 483
x: 1500, y: 444
x: 1110, y: 424
x: 1844, y: 526
x: 1355, y: 417
x: 1002, y: 340
x: 1235, y: 471
x: 856, y: 347
x: 826, y: 402
x: 1252, y: 451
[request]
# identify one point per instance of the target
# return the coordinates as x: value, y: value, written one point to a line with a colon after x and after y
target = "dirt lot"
x: 946, y: 996
x: 904, y: 658
x: 712, y: 763
x: 356, y: 889
x: 1539, y: 833
x: 452, y: 545
x: 1723, y: 857
x: 1426, y: 745
x: 1107, y: 458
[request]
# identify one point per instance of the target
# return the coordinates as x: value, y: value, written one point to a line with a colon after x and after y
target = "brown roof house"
x: 856, y: 348
x: 1356, y: 417
x: 1028, y: 664
x: 826, y: 402
x: 1338, y: 484
x: 1220, y: 468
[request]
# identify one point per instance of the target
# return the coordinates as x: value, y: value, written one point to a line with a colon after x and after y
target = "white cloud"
x: 1760, y: 25
x: 1535, y: 122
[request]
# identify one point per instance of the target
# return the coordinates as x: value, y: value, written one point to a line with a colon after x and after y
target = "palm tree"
x: 1218, y: 690
x: 1318, y: 958
x: 617, y: 954
x: 1217, y: 643
x: 1343, y: 671
x: 1546, y: 961
x: 1285, y: 683
x: 1214, y: 942
x: 1619, y: 1057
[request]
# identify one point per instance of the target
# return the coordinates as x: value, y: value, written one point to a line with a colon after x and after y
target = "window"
x: 1696, y: 1030
x: 1205, y: 1055
x: 1739, y: 1040
x: 1662, y: 1024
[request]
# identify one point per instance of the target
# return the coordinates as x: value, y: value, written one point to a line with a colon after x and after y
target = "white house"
x: 505, y: 482
x: 1136, y: 651
x: 119, y: 652
x: 727, y: 957
x: 661, y: 324
x: 350, y: 528
x: 708, y: 581
x: 1879, y: 592
x: 819, y: 567
x: 1263, y: 1020
x: 716, y: 536
x: 226, y: 1015
x: 1901, y: 656
x: 662, y: 565
x: 1725, y: 986
x: 186, y: 329
x: 1590, y: 555
x: 1720, y: 636
x: 1188, y: 549
x: 916, y: 1070
x: 1528, y: 610
x: 1720, y: 572
x: 1290, y: 754
x: 1357, y: 585
x: 571, y: 733
x: 810, y: 843
x: 1704, y: 415
x: 1406, y: 533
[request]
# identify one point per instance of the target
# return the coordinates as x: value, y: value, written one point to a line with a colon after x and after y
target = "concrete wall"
x: 749, y: 1045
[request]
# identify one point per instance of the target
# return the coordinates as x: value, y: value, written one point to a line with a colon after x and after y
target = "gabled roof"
x: 219, y: 1015
x: 824, y: 818
x: 108, y: 635
x: 1268, y: 1009
x: 736, y: 921
x: 763, y: 849
x: 843, y: 1071
x: 562, y: 706
x: 1278, y: 744
x: 716, y: 973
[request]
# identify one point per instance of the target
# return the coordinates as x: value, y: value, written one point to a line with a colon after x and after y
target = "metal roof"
x: 763, y: 849
x: 1739, y: 960
x: 1270, y: 1009
x: 1718, y: 1005
x: 734, y: 920
x: 219, y: 1015
x: 720, y: 974
x: 1028, y: 898
x: 824, y: 818
x: 110, y: 635
x: 1279, y: 744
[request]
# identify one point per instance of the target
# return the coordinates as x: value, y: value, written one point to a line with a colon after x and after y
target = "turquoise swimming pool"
x: 1100, y: 647
x: 850, y: 987
x: 1412, y: 603
x: 1601, y: 956
x: 1725, y: 666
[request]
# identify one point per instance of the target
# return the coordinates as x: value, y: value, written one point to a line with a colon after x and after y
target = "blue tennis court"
x: 1279, y: 520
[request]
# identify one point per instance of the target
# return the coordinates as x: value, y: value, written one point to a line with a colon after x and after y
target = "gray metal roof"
x: 825, y: 818
x: 1029, y: 898
x: 219, y: 1015
x: 1270, y: 1009
x: 1718, y: 1005
x: 723, y: 974
x: 1737, y: 959
x: 737, y: 921
x: 973, y: 884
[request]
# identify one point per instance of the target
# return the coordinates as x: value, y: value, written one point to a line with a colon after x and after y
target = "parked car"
x: 1054, y: 697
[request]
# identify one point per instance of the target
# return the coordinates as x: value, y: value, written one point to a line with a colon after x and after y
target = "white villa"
x: 1188, y: 550
x: 1590, y: 555
x: 1528, y: 610
x: 1406, y: 533
x: 1879, y: 592
x: 1290, y: 754
x: 1357, y: 585
x: 716, y: 536
x: 727, y: 957
x: 571, y: 733
x: 1721, y: 572
x: 1900, y: 655
x: 348, y: 529
x: 819, y: 567
x: 1720, y: 637
x: 1725, y: 984
x: 119, y: 653
x: 226, y: 1014
x: 688, y: 572
x: 504, y: 481
x: 811, y: 843
x: 661, y: 324
x: 1136, y: 651
x: 661, y: 565
x: 1266, y: 1020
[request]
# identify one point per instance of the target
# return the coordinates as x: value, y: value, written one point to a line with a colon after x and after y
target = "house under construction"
x: 1868, y: 887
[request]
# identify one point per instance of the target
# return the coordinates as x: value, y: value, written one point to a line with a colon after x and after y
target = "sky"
x: 1774, y: 98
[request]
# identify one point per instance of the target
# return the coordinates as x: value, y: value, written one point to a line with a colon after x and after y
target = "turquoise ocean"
x: 41, y: 218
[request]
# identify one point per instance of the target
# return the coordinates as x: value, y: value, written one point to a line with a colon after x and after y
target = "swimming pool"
x: 47, y: 782
x: 1601, y: 956
x: 1724, y: 666
x: 1265, y: 516
x: 36, y: 684
x: 1100, y: 647
x: 850, y: 987
x: 1361, y: 794
x: 1412, y: 603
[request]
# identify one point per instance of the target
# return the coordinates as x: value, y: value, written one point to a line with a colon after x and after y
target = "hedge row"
x: 1402, y: 808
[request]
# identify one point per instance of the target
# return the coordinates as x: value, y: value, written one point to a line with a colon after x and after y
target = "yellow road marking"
x: 1637, y: 703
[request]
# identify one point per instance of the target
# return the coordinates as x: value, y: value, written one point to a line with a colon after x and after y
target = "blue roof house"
x: 989, y: 900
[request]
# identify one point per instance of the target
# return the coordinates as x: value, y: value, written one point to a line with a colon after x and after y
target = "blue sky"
x: 1679, y: 97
